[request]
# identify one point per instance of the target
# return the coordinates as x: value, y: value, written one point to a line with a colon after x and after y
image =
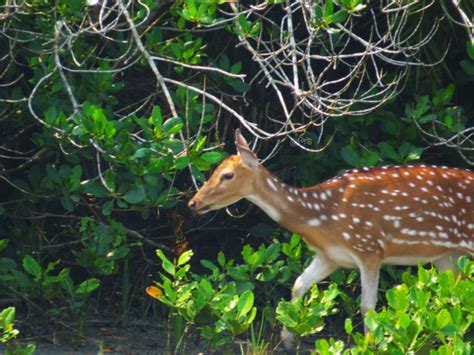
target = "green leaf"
x: 245, y: 303
x: 339, y: 17
x: 351, y: 156
x: 32, y: 267
x: 415, y: 153
x: 221, y: 259
x: 236, y: 68
x: 75, y: 179
x: 348, y: 326
x: 181, y: 162
x: 51, y: 115
x: 370, y: 158
x: 200, y: 143
x: 212, y: 157
x: 156, y: 117
x: 107, y: 207
x: 239, y: 85
x: 166, y: 263
x: 135, y: 195
x: 467, y: 66
x: 7, y: 315
x: 87, y: 286
x: 185, y: 257
x: 3, y: 244
x: 141, y: 153
x: 173, y: 125
x: 328, y: 9
x: 387, y: 151
x: 244, y: 24
x: 448, y: 93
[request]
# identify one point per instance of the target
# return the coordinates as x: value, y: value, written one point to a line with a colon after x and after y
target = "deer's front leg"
x: 369, y: 277
x: 320, y: 268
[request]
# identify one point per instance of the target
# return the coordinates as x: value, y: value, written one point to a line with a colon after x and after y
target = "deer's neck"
x: 289, y: 206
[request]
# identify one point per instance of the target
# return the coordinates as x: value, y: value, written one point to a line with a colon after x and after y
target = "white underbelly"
x: 342, y: 257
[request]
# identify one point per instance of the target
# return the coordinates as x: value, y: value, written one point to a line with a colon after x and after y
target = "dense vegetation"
x: 114, y: 112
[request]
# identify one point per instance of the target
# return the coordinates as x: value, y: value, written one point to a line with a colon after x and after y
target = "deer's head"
x: 232, y: 180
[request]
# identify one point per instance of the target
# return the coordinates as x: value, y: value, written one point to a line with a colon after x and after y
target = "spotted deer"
x: 401, y: 215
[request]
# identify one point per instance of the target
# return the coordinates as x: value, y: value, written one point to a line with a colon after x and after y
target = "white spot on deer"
x: 314, y: 222
x: 346, y: 236
x: 271, y: 184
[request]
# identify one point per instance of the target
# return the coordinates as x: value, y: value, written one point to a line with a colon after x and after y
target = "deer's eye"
x: 228, y: 176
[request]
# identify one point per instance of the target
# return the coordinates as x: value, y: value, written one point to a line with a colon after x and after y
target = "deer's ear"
x: 248, y: 157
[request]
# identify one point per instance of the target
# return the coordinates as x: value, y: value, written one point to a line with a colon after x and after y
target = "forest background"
x: 114, y: 112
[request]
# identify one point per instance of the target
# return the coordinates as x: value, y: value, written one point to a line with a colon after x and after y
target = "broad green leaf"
x: 32, y: 267
x: 173, y: 125
x: 185, y: 257
x: 156, y: 116
x: 75, y: 178
x: 135, y: 195
x: 181, y: 162
x: 448, y: 93
x: 351, y: 156
x: 212, y: 157
x: 8, y: 315
x: 328, y: 9
x: 140, y: 153
x: 221, y: 259
x: 387, y: 151
x: 107, y: 207
x: 339, y: 17
x: 166, y: 263
x: 415, y: 153
x: 87, y: 286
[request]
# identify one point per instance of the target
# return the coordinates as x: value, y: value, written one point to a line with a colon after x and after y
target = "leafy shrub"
x: 433, y: 311
x: 8, y: 333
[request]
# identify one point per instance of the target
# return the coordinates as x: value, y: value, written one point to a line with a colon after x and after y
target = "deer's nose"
x: 192, y: 205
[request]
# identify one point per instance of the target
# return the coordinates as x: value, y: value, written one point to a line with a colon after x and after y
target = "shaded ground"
x: 145, y: 339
